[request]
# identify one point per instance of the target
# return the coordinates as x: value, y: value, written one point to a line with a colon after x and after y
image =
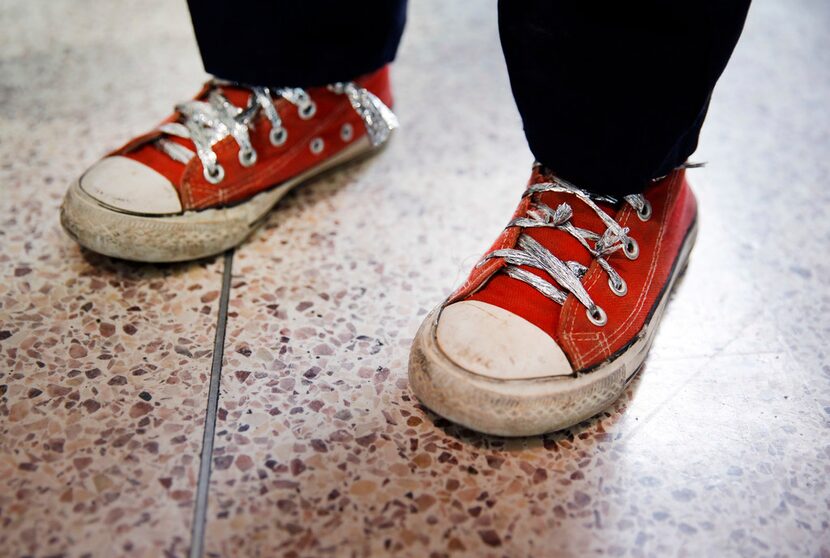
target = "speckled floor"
x: 720, y: 448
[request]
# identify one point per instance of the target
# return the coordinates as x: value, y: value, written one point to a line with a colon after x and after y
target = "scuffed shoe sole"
x: 187, y: 236
x: 534, y: 406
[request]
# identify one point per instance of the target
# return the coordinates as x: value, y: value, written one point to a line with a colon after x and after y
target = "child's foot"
x: 205, y: 178
x: 558, y: 317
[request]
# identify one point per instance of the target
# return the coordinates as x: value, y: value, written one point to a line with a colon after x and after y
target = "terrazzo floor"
x: 721, y: 447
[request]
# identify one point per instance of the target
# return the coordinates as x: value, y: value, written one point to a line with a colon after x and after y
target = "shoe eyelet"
x: 214, y: 175
x: 596, y: 315
x: 247, y: 158
x: 308, y: 110
x: 346, y: 132
x: 316, y: 146
x: 618, y: 289
x: 644, y: 214
x: 278, y: 136
x: 631, y: 249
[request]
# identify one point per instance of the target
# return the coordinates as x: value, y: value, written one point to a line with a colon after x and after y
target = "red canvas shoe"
x: 204, y: 179
x: 558, y: 317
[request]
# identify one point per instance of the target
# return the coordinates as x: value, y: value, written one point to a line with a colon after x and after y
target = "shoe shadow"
x: 107, y: 266
x: 319, y: 189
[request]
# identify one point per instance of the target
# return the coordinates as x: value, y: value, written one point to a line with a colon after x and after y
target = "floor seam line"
x: 197, y: 534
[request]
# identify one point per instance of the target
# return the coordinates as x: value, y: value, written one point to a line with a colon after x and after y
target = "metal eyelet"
x: 618, y: 289
x: 278, y: 136
x: 631, y: 249
x: 247, y: 158
x: 316, y: 146
x: 308, y: 110
x: 644, y: 214
x: 214, y: 175
x: 346, y: 132
x: 596, y: 315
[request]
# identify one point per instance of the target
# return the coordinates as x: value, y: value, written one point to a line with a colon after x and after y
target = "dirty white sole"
x: 531, y: 406
x: 186, y: 236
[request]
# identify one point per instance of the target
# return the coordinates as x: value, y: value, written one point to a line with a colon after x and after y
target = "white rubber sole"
x: 186, y: 236
x: 533, y: 406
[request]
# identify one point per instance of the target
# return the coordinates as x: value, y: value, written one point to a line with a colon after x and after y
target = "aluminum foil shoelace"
x: 568, y: 275
x: 208, y: 123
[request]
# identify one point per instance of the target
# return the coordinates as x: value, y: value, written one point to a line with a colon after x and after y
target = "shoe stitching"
x: 625, y: 325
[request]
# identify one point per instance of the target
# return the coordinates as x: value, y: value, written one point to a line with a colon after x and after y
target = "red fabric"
x: 274, y: 164
x: 660, y: 238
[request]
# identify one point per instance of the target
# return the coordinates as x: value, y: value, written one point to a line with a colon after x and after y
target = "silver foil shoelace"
x: 206, y: 123
x: 568, y: 275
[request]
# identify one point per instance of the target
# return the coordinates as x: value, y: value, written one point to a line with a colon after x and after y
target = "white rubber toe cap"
x: 493, y: 342
x: 130, y: 186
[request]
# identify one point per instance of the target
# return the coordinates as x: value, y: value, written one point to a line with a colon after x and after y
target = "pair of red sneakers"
x: 553, y: 321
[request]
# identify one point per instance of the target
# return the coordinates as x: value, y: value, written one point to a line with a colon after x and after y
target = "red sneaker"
x: 558, y: 317
x: 205, y: 178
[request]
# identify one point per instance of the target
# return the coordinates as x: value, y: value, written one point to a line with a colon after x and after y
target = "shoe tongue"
x: 236, y: 95
x: 522, y: 299
x: 560, y: 243
x: 150, y: 155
